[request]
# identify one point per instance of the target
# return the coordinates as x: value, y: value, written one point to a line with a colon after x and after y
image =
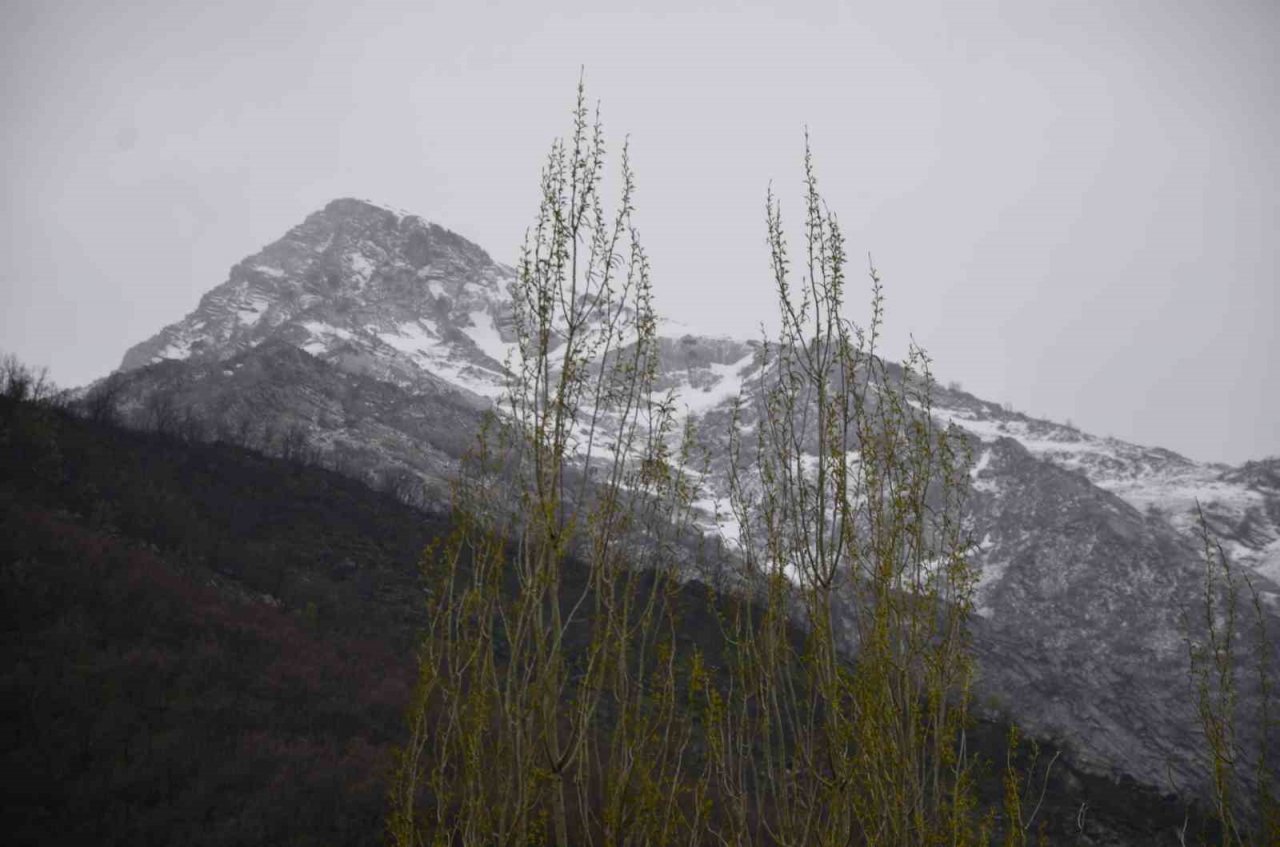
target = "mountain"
x: 206, y: 645
x: 364, y: 288
x: 376, y: 338
x: 374, y: 341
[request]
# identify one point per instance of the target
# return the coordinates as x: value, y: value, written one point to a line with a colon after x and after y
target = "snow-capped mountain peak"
x: 365, y: 287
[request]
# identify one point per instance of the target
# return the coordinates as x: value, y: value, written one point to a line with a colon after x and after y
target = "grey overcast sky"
x: 1076, y: 206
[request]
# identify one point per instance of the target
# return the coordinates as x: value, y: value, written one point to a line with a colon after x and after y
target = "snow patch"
x: 321, y: 329
x: 413, y: 338
x: 427, y: 351
x: 729, y: 379
x: 251, y: 312
x: 986, y: 486
x: 715, y: 518
x: 993, y: 571
x: 984, y: 461
x: 177, y: 348
x: 361, y: 266
x: 484, y: 332
x: 322, y: 336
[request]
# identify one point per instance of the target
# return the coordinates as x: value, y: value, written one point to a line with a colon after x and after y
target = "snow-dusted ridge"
x: 363, y: 286
x: 1148, y: 479
x: 375, y: 288
x: 381, y: 337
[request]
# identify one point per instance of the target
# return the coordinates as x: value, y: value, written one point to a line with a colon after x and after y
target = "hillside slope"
x: 204, y: 645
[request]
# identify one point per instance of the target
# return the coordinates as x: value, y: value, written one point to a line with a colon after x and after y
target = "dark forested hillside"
x: 204, y: 645
x: 200, y: 645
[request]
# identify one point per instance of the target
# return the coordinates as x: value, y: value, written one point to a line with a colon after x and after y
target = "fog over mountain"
x: 1073, y: 207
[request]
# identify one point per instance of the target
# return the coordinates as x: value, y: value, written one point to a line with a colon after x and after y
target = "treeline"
x: 163, y: 401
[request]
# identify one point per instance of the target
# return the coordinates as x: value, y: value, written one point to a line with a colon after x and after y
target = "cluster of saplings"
x: 561, y: 698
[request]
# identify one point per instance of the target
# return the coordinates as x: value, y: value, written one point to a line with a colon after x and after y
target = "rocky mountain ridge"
x: 376, y: 340
x: 364, y: 288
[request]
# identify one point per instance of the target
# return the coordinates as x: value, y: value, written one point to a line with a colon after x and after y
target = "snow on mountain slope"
x: 366, y: 288
x: 382, y: 293
x: 379, y: 338
x: 1242, y: 509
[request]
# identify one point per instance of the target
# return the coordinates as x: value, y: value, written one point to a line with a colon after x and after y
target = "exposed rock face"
x: 1091, y: 572
x: 1092, y: 575
x: 366, y: 289
x: 377, y: 340
x: 1242, y: 505
x: 282, y: 399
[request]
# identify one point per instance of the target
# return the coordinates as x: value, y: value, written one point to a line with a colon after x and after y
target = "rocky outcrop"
x: 366, y: 288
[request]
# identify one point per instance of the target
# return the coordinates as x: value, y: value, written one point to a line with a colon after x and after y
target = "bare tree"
x: 101, y: 403
x: 21, y: 383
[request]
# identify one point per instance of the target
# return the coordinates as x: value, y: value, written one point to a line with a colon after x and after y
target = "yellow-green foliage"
x: 1214, y: 669
x: 854, y: 530
x: 548, y: 708
x: 556, y: 703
